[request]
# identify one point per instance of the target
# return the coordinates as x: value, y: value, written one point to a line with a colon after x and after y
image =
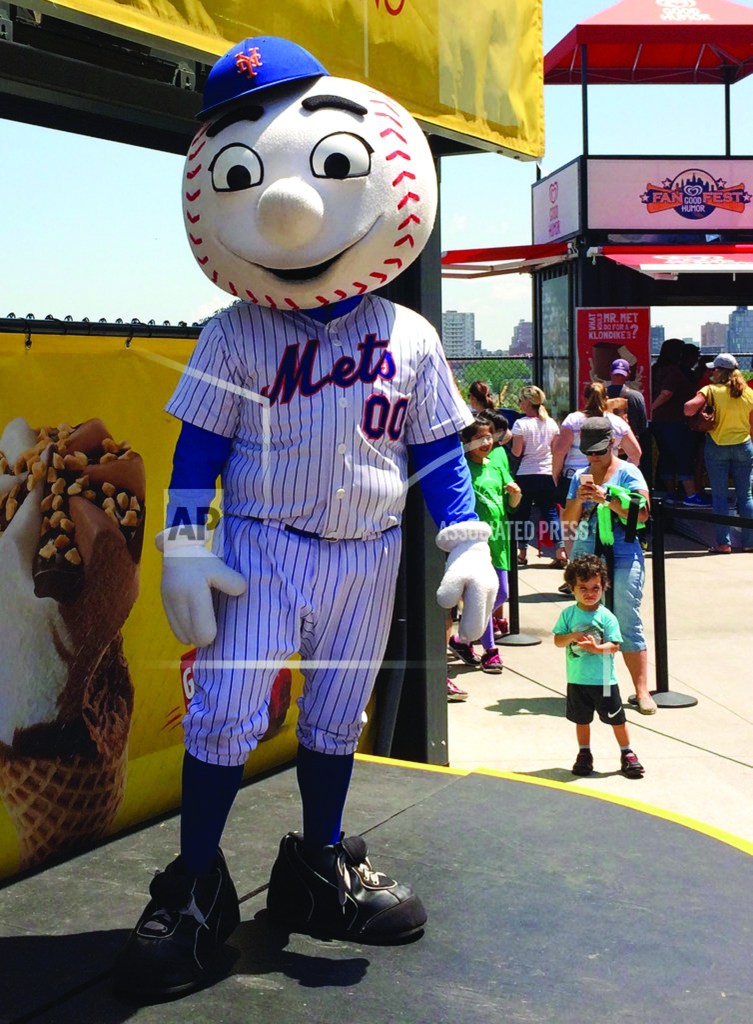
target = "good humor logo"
x: 695, y: 194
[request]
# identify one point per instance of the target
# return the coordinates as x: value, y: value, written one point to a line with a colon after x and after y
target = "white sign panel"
x: 670, y: 194
x: 556, y: 205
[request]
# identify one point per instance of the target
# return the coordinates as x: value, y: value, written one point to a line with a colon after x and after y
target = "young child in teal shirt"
x: 591, y: 636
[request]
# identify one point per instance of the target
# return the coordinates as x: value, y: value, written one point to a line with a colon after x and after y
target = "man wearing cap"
x: 607, y: 503
x: 636, y: 410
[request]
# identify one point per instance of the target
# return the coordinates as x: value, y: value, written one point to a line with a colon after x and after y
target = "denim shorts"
x: 627, y: 594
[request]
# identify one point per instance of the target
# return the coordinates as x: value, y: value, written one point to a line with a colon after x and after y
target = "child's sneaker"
x: 501, y: 627
x: 584, y: 763
x: 696, y: 499
x: 630, y: 766
x: 463, y: 651
x: 491, y: 661
x: 454, y: 694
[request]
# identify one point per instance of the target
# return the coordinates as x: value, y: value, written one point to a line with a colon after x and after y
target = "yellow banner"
x: 93, y: 685
x: 472, y: 68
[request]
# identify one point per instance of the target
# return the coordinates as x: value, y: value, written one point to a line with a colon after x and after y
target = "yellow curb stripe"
x: 440, y: 769
x: 737, y: 842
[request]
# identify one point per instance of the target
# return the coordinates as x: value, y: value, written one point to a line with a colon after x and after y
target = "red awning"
x: 506, y: 259
x: 666, y: 262
x: 644, y: 41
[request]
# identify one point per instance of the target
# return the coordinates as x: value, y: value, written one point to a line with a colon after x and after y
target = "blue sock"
x: 208, y: 794
x: 323, y: 780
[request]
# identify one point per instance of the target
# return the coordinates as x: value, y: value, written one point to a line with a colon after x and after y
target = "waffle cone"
x: 62, y: 785
x: 60, y: 804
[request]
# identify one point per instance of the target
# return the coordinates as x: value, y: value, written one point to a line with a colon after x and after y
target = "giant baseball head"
x: 301, y: 189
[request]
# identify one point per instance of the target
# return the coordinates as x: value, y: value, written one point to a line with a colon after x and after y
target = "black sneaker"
x: 463, y: 651
x: 630, y: 766
x: 175, y: 942
x: 584, y: 763
x: 341, y: 896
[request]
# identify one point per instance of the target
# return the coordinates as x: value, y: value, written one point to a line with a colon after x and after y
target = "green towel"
x: 604, y: 513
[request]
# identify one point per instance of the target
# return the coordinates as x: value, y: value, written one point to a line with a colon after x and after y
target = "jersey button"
x: 344, y: 403
x: 336, y: 341
x: 392, y: 520
x: 340, y: 492
x: 342, y: 448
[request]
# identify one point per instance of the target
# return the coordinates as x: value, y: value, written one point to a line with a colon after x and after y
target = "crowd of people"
x: 579, y: 492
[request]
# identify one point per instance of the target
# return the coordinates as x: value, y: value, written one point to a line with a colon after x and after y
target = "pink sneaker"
x: 491, y: 661
x: 454, y: 694
x: 501, y: 627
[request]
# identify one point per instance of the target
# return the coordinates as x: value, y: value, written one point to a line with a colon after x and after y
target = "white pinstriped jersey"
x: 320, y: 413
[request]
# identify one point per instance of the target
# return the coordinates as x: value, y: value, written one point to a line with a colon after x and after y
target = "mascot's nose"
x: 290, y: 213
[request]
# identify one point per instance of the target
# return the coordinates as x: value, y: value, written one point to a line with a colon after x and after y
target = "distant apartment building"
x: 713, y: 337
x: 458, y: 335
x: 657, y: 339
x: 740, y: 330
x: 521, y: 343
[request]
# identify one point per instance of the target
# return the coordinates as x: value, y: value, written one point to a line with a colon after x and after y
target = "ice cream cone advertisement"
x: 92, y: 686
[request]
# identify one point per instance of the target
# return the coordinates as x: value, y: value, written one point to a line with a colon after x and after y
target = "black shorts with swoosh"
x: 582, y: 701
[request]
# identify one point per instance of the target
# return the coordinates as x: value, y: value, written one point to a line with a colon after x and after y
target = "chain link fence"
x: 505, y: 375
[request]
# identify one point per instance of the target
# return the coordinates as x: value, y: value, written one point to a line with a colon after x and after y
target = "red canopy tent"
x: 655, y: 42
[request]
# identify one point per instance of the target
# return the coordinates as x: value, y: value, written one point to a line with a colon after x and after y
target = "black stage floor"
x: 545, y: 907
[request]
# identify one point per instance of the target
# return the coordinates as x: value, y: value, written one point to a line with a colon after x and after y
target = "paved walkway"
x: 698, y: 760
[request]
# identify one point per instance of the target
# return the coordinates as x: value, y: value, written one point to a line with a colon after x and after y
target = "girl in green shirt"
x: 496, y: 492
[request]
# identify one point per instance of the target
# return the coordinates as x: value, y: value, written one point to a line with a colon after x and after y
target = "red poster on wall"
x: 608, y: 333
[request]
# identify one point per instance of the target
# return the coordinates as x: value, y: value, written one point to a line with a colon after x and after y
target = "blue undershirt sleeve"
x: 445, y: 480
x: 197, y: 462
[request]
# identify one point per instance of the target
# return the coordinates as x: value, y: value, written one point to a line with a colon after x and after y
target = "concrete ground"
x: 698, y: 760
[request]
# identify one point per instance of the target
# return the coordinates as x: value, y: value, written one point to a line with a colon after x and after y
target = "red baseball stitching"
x: 391, y: 131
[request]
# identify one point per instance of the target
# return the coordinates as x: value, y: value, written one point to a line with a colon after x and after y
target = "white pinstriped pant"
x: 332, y: 601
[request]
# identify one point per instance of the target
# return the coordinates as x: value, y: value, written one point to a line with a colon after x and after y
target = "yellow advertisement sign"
x: 471, y: 68
x: 93, y: 685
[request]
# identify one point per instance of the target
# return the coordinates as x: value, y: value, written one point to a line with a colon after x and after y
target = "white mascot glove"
x: 469, y: 575
x: 189, y: 572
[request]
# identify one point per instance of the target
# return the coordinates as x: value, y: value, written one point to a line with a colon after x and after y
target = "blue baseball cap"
x: 254, y: 65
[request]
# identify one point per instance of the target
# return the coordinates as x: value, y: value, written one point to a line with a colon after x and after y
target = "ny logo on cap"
x: 247, y: 63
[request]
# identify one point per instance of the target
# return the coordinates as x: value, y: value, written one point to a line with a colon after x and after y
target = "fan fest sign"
x: 608, y: 333
x: 670, y: 194
x: 472, y: 68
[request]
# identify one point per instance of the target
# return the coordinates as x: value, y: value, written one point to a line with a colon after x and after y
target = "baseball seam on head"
x: 391, y: 131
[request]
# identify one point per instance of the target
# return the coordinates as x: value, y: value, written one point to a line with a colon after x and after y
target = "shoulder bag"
x: 705, y: 419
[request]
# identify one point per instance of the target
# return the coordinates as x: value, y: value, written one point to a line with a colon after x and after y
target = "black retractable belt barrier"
x: 515, y: 638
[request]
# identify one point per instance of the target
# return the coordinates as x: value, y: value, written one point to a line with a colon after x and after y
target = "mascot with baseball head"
x: 302, y: 194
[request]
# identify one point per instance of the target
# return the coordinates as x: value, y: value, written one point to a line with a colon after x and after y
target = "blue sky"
x: 92, y: 228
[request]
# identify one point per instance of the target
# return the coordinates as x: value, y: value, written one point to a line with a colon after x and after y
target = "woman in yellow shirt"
x: 729, y: 449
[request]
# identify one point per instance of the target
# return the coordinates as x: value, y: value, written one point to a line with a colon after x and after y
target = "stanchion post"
x: 515, y: 638
x: 664, y: 697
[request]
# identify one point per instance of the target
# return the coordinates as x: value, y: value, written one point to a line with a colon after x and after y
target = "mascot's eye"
x: 236, y: 168
x: 341, y: 155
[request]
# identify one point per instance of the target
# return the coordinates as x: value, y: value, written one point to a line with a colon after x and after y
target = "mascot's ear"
x: 254, y: 65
